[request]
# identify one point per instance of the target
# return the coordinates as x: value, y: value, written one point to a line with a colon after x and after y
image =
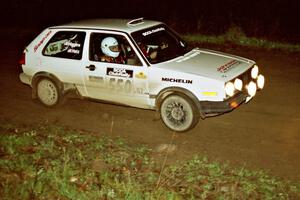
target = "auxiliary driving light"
x: 254, y: 72
x: 251, y: 88
x: 229, y: 89
x: 260, y: 81
x: 238, y: 84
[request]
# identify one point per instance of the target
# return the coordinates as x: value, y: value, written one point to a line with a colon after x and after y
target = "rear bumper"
x: 24, y: 78
x: 211, y: 108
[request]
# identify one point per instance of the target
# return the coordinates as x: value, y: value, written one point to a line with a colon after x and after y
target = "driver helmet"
x: 110, y: 47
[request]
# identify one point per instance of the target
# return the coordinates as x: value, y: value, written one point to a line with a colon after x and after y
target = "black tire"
x: 48, y: 92
x: 179, y: 113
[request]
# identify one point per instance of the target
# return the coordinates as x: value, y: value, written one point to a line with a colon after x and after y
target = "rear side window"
x: 65, y: 44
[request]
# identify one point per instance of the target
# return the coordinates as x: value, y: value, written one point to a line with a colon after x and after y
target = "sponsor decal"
x: 74, y: 51
x: 119, y: 72
x: 153, y: 31
x: 41, y: 41
x: 177, y: 80
x: 98, y: 79
x: 227, y: 66
x: 72, y: 44
x: 140, y: 75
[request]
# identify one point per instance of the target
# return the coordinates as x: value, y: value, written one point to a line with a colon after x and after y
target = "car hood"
x: 210, y: 64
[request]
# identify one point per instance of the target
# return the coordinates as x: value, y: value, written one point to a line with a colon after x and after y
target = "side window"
x: 65, y: 44
x: 113, y: 49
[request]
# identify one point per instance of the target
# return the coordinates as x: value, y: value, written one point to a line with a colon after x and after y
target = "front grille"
x: 246, y: 77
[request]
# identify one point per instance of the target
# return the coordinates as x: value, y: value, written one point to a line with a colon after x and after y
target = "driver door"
x: 124, y: 82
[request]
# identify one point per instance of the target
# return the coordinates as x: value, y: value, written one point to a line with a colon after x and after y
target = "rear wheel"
x: 179, y: 113
x: 47, y: 92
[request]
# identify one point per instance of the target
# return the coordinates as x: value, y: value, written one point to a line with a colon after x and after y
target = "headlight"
x: 229, y: 89
x: 260, y: 81
x: 238, y: 84
x: 251, y: 88
x: 254, y: 72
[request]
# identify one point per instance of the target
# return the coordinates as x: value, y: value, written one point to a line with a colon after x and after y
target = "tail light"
x: 22, y: 59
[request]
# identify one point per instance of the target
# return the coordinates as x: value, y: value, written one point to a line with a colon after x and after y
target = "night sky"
x: 276, y: 19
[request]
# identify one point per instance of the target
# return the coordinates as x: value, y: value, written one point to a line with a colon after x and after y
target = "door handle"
x: 91, y: 67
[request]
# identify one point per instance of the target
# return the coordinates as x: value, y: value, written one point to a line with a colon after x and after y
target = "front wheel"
x: 179, y: 113
x: 48, y: 92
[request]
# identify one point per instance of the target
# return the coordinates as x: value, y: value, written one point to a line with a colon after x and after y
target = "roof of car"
x: 125, y: 25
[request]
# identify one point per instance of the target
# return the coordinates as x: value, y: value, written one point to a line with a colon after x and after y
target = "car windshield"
x: 159, y: 43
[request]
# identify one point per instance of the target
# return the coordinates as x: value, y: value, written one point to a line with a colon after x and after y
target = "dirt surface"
x: 263, y: 134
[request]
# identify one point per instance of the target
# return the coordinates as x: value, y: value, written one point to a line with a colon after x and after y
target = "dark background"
x: 275, y: 20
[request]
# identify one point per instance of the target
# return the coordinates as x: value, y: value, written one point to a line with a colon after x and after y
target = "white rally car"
x: 140, y: 63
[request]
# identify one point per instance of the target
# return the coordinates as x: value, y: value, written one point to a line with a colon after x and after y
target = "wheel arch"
x: 177, y: 90
x: 48, y: 75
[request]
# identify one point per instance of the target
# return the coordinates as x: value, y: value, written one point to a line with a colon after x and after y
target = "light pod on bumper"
x: 254, y: 72
x: 252, y: 88
x: 260, y: 81
x: 229, y: 89
x: 238, y: 84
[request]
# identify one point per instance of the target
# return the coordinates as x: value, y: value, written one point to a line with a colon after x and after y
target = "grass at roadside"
x: 49, y: 162
x: 235, y: 36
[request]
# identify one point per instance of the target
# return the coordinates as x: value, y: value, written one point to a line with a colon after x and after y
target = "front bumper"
x: 211, y: 108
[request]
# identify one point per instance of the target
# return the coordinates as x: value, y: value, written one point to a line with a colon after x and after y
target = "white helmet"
x: 110, y: 47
